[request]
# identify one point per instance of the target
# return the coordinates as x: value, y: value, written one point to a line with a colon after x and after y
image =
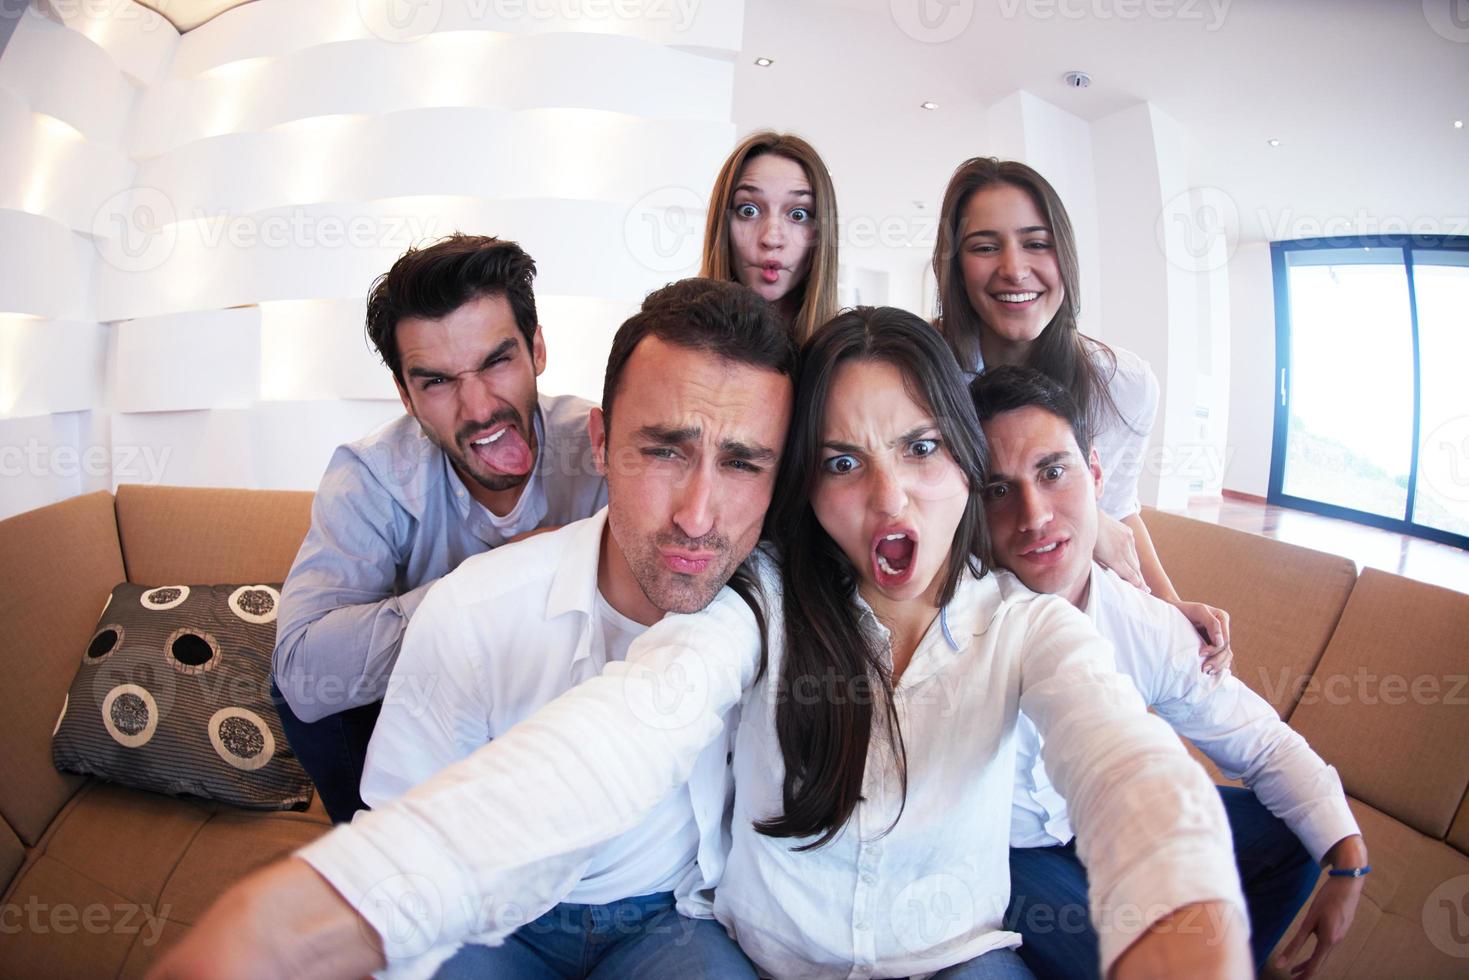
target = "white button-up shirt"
x: 1157, y: 648
x: 495, y: 640
x: 508, y: 826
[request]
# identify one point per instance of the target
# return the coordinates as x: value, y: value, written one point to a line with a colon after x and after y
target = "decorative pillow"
x: 173, y: 696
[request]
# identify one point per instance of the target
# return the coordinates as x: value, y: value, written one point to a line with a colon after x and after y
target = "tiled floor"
x: 1415, y: 558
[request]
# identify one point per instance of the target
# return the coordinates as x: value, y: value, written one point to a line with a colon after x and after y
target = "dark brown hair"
x: 824, y: 744
x: 434, y: 281
x: 1061, y: 352
x: 1008, y: 388
x: 725, y: 319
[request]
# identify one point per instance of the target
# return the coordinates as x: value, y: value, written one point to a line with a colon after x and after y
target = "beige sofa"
x: 99, y: 879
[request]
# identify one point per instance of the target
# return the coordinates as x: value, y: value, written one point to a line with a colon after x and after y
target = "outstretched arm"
x: 478, y: 848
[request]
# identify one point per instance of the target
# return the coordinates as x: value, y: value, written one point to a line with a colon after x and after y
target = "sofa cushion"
x: 1389, y: 703
x: 172, y: 695
x: 12, y: 854
x: 187, y: 534
x: 1459, y: 832
x: 176, y: 857
x: 60, y: 565
x: 1283, y: 600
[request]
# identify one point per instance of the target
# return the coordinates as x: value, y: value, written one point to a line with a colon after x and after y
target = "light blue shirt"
x: 391, y: 517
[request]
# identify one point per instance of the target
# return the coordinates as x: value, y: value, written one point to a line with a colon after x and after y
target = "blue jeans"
x: 643, y: 938
x: 332, y: 751
x: 1048, y: 904
x: 997, y: 964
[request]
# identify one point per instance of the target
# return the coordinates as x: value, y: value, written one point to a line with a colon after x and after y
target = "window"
x: 1372, y: 382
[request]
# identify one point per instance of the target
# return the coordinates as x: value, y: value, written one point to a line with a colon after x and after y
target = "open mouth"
x: 893, y: 557
x: 1049, y: 553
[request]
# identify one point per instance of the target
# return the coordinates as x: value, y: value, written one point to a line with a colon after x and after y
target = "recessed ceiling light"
x: 928, y: 105
x: 1458, y: 124
x: 1273, y: 142
x: 764, y: 62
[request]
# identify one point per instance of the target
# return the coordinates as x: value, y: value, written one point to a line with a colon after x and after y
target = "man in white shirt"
x: 1041, y: 504
x: 696, y: 406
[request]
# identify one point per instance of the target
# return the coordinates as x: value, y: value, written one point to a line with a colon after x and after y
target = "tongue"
x: 771, y: 273
x: 507, y: 454
x: 897, y: 553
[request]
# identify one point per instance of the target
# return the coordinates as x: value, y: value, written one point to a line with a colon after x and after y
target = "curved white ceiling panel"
x: 47, y: 268
x: 483, y: 70
x: 312, y: 350
x: 139, y: 41
x: 335, y: 251
x: 92, y: 95
x: 50, y: 366
x: 271, y: 28
x: 188, y: 360
x: 570, y: 153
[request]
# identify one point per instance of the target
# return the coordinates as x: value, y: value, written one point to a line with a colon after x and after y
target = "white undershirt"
x: 655, y: 855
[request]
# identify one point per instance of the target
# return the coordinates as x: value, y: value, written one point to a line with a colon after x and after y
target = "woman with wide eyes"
x: 1006, y: 268
x: 772, y: 226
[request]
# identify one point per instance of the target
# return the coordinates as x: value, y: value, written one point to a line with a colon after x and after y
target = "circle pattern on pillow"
x: 242, y: 738
x: 191, y: 651
x: 164, y: 597
x: 255, y: 603
x: 130, y: 715
x: 104, y: 642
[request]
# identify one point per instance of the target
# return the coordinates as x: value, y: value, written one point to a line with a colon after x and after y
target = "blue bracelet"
x: 1350, y: 872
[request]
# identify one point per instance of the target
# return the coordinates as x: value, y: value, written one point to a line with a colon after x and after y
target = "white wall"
x: 192, y: 223
x: 1252, y: 386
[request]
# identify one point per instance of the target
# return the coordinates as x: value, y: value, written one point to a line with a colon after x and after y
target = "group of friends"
x: 823, y: 647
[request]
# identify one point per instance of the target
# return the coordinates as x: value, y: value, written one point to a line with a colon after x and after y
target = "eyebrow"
x: 662, y: 436
x: 752, y: 189
x: 1050, y: 459
x: 500, y: 350
x: 1027, y: 230
x: 909, y: 436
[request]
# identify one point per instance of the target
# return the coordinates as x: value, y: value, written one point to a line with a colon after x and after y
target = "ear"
x: 538, y: 351
x: 1094, y: 463
x: 597, y: 433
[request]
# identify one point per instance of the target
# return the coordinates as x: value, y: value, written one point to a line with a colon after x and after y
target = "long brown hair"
x: 1061, y: 352
x: 818, y: 292
x: 824, y: 740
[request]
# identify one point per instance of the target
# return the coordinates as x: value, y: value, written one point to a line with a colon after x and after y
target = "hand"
x: 1116, y: 549
x: 1328, y: 919
x: 1213, y: 626
x: 284, y: 920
